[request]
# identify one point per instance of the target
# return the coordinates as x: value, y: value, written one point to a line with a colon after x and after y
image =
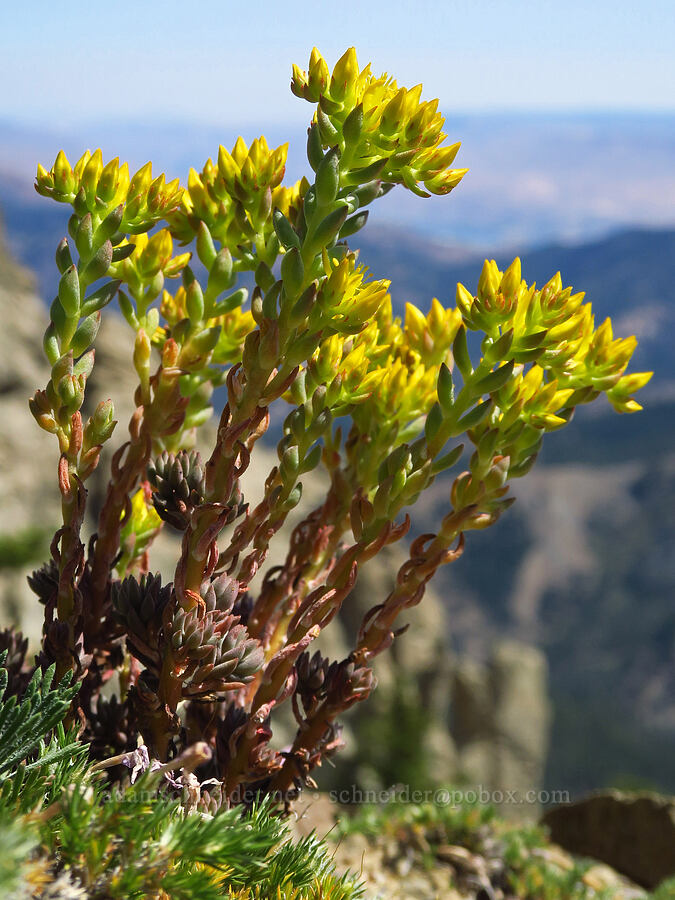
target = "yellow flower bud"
x: 318, y: 74
x: 299, y: 83
x: 345, y: 74
x: 65, y: 180
x: 510, y: 282
x: 79, y: 167
x: 91, y: 174
x: 488, y: 283
x: 239, y: 151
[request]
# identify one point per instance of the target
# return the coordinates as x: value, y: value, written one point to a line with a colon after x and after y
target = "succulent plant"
x: 211, y: 656
x: 139, y: 604
x: 212, y: 652
x: 179, y: 486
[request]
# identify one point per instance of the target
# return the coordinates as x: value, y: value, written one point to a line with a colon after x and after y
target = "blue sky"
x: 63, y: 64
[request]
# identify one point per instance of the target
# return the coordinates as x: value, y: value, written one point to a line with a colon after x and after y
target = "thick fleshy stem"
x: 316, y: 737
x: 162, y: 416
x: 127, y: 466
x: 257, y: 529
x: 313, y: 615
x: 299, y: 762
x: 313, y: 545
x: 61, y: 634
x: 427, y: 553
x: 475, y: 506
x: 244, y: 419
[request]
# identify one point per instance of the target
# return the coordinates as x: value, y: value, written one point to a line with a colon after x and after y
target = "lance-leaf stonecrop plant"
x: 384, y: 405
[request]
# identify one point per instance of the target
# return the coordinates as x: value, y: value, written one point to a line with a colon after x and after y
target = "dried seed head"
x: 109, y: 731
x: 349, y: 683
x: 243, y: 607
x: 314, y: 673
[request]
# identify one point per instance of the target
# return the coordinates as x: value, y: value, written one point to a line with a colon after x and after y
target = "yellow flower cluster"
x: 383, y: 130
x: 409, y: 367
x: 94, y: 188
x: 391, y: 365
x: 151, y: 257
x: 235, y: 197
x: 386, y: 380
x: 528, y: 398
x: 235, y: 325
x: 432, y: 335
x: 556, y: 328
x: 346, y: 298
x: 250, y: 170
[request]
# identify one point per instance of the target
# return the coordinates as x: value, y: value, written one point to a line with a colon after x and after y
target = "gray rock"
x: 632, y: 833
x: 471, y: 702
x: 500, y: 721
x: 522, y: 714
